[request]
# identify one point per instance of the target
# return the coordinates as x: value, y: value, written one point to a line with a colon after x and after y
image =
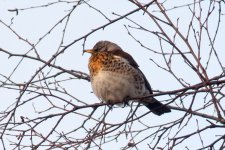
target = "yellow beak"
x: 87, y: 51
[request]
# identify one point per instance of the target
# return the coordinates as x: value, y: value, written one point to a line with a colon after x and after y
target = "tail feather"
x: 156, y: 107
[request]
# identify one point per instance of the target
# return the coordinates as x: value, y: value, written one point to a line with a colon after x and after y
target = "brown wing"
x: 133, y: 63
x: 125, y: 55
x: 154, y: 105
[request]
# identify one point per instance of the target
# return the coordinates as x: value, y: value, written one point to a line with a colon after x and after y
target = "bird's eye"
x: 98, y: 49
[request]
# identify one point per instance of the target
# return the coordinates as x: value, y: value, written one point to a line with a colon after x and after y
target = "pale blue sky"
x: 31, y: 24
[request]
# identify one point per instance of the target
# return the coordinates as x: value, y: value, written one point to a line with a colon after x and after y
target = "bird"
x: 115, y: 77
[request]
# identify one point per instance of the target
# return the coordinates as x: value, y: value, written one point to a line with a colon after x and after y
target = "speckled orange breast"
x: 97, y: 62
x: 114, y: 79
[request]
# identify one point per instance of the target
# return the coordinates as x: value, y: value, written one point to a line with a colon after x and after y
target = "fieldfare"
x: 115, y: 77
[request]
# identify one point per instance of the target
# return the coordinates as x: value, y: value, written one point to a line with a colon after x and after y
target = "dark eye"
x: 98, y: 49
x: 100, y: 46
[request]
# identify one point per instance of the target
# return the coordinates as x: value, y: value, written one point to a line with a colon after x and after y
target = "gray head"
x: 102, y: 46
x: 105, y: 46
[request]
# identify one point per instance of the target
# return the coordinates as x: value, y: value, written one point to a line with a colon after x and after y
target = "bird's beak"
x: 87, y: 51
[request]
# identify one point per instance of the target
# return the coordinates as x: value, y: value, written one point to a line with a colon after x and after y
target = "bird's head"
x: 103, y: 46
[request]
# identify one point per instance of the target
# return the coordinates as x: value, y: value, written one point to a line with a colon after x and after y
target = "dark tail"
x: 156, y: 107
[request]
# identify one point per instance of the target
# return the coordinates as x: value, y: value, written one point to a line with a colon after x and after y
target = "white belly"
x: 115, y: 87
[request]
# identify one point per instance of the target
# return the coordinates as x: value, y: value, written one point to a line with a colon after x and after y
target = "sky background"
x: 34, y: 23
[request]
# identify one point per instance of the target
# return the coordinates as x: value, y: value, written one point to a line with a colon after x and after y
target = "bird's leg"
x: 109, y: 103
x: 126, y: 101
